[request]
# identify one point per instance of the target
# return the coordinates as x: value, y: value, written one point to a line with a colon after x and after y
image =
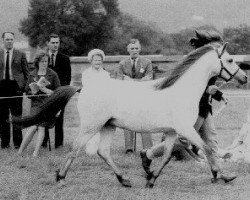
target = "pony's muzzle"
x: 243, y: 80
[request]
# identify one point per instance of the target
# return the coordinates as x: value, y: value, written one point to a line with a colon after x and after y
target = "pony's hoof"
x: 149, y: 185
x: 58, y: 176
x: 214, y: 180
x: 223, y: 178
x: 124, y: 181
x: 227, y: 179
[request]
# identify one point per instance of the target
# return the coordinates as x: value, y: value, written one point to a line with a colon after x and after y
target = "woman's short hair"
x: 95, y: 52
x: 38, y: 57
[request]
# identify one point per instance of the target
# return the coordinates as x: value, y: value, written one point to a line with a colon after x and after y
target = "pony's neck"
x: 195, y: 80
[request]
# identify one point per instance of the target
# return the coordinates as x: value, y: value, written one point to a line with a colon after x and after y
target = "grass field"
x: 27, y: 178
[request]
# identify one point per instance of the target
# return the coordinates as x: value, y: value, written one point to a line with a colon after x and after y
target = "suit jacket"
x: 143, y: 69
x: 19, y: 68
x: 62, y: 68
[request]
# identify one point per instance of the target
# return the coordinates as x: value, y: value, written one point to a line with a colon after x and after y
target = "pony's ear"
x: 223, y: 49
x: 202, y: 34
x: 198, y: 35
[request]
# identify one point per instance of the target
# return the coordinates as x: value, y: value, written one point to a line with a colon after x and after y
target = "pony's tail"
x: 47, y: 112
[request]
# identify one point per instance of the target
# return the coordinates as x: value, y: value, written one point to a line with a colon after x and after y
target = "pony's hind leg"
x: 83, y: 137
x: 168, y: 147
x: 106, y: 134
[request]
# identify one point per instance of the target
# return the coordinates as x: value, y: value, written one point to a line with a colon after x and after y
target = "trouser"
x: 208, y: 133
x: 130, y: 140
x: 58, y: 131
x: 9, y: 106
x: 206, y: 129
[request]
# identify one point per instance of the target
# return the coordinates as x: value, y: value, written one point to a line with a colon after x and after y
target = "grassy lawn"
x: 89, y: 177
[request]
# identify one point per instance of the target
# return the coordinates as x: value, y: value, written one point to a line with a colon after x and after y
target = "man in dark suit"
x: 135, y: 68
x: 13, y: 78
x: 60, y: 63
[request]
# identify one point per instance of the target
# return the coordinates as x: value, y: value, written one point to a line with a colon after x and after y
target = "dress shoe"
x: 224, y: 178
x: 5, y: 147
x: 58, y: 146
x: 128, y: 151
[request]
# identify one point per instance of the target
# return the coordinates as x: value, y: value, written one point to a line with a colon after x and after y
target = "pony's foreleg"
x: 168, y: 147
x: 106, y: 134
x: 79, y: 143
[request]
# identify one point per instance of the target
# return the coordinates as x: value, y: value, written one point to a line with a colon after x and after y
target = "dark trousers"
x: 58, y: 131
x: 10, y: 105
x: 130, y: 140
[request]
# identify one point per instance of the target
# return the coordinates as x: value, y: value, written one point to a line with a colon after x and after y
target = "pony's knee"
x: 103, y: 151
x: 101, y: 154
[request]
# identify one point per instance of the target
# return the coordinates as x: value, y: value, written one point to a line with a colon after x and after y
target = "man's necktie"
x: 7, y: 67
x: 52, y: 60
x: 133, y: 69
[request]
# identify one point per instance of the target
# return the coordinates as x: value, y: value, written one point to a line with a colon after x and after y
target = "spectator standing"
x: 135, y: 68
x: 13, y: 78
x: 60, y: 63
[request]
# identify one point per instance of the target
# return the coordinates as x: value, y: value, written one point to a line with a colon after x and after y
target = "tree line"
x: 86, y: 24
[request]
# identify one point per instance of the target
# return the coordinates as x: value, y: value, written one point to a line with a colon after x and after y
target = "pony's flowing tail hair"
x: 47, y: 112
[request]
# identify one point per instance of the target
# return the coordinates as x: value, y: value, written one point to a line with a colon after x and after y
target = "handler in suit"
x: 13, y: 77
x: 60, y: 63
x: 135, y: 68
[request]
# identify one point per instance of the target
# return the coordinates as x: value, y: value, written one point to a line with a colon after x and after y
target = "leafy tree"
x: 127, y: 27
x: 81, y: 24
x: 238, y: 38
x: 181, y: 39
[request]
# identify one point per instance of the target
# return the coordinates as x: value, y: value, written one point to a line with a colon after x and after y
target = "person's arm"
x: 148, y: 72
x: 67, y: 71
x: 216, y: 93
x: 27, y: 89
x: 55, y: 83
x: 46, y: 90
x: 120, y: 72
x: 25, y: 68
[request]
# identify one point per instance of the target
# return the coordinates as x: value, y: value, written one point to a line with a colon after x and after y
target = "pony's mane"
x: 182, y: 67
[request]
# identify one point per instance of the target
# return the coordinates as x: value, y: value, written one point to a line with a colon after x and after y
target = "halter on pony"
x: 231, y: 75
x: 152, y: 109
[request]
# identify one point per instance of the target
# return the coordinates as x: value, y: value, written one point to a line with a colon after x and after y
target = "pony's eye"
x: 230, y: 60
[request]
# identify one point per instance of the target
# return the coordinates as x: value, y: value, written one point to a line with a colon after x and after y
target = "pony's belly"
x: 142, y: 125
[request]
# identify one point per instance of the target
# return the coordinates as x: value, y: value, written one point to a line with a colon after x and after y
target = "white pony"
x: 154, y: 106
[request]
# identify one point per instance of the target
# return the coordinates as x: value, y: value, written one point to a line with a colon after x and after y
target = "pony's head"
x: 219, y: 61
x: 228, y: 69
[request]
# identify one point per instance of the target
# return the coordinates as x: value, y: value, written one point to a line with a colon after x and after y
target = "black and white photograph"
x: 124, y: 100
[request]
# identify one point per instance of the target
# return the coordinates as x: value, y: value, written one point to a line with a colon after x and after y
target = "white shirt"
x: 10, y: 62
x: 132, y: 61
